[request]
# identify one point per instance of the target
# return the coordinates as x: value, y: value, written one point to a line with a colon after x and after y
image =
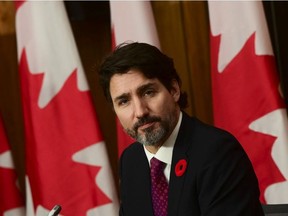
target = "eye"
x: 122, y: 102
x: 149, y: 93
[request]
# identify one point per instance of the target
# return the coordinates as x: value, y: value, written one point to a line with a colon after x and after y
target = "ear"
x: 175, y: 90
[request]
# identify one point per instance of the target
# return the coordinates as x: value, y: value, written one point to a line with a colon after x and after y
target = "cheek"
x: 124, y: 117
x: 163, y: 106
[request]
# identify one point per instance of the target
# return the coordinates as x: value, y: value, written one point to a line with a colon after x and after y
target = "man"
x: 205, y: 171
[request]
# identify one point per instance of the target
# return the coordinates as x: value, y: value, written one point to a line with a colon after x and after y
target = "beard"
x: 152, y: 136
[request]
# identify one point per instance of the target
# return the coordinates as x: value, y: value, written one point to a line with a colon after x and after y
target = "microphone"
x: 55, y: 211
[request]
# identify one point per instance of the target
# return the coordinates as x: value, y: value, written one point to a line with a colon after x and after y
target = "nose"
x: 140, y: 108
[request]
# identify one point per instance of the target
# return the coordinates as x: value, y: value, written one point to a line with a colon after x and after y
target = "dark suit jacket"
x: 219, y: 179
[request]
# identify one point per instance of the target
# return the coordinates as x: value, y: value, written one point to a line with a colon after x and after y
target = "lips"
x: 146, y: 125
x: 146, y: 122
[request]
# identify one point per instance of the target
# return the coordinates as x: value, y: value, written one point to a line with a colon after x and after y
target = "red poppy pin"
x: 180, y: 167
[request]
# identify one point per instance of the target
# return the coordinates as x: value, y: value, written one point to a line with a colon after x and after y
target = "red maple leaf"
x: 245, y: 91
x: 54, y: 133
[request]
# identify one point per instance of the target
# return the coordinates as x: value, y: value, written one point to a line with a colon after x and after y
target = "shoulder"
x: 132, y: 149
x: 208, y: 144
x: 133, y: 160
x: 132, y: 153
x: 199, y: 130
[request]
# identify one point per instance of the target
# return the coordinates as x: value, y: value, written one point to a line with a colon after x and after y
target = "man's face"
x: 147, y: 111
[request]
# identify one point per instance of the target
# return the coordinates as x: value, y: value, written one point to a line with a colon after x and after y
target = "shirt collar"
x: 165, y: 152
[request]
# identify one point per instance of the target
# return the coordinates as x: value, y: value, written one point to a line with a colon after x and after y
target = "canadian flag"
x: 246, y: 91
x: 140, y: 28
x: 11, y: 200
x: 66, y: 159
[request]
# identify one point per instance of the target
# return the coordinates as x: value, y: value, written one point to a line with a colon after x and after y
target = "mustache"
x: 144, y: 120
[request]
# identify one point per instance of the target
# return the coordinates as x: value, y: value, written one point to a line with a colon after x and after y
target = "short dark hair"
x: 147, y: 59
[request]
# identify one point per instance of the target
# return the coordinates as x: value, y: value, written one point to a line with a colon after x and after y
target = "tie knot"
x: 157, y: 165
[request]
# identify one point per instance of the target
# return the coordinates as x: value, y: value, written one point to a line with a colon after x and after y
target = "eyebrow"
x: 143, y: 88
x: 139, y: 90
x: 122, y: 96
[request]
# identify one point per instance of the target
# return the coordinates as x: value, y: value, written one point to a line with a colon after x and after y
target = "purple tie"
x: 159, y: 188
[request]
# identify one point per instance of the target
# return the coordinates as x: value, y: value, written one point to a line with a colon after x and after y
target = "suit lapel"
x: 141, y: 187
x: 179, y: 153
